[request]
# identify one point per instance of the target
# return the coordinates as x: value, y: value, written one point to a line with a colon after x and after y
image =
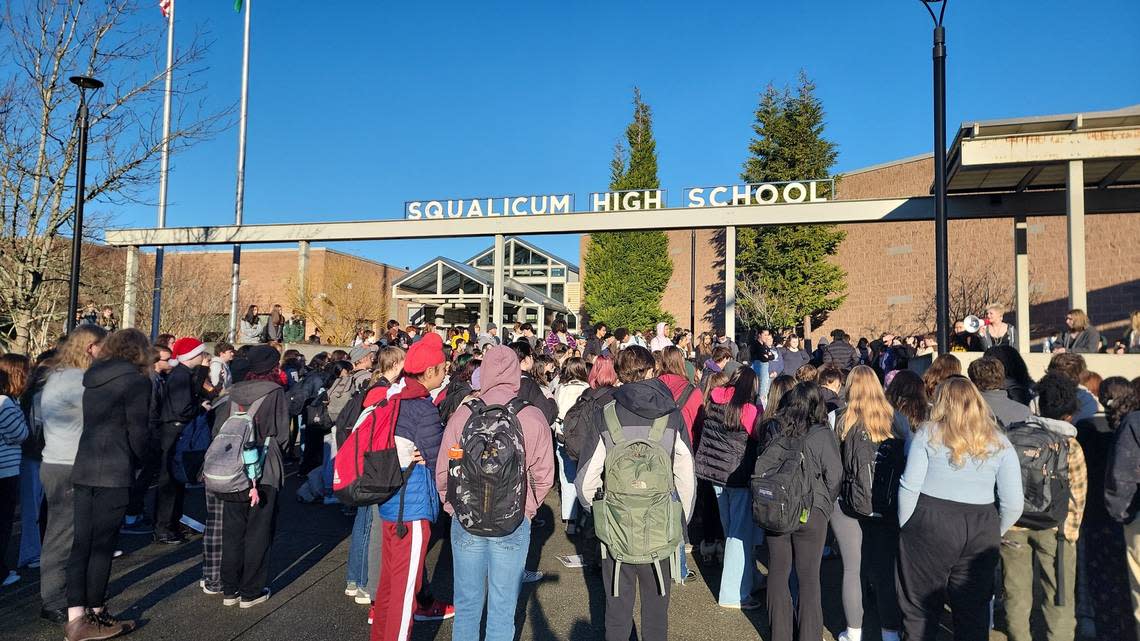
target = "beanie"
x: 262, y: 359
x: 187, y: 348
x: 424, y: 354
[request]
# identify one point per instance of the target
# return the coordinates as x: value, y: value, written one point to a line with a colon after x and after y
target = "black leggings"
x: 9, y: 497
x: 804, y: 548
x: 99, y: 512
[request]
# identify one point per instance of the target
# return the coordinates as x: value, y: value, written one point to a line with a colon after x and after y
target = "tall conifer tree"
x: 626, y: 272
x: 790, y: 262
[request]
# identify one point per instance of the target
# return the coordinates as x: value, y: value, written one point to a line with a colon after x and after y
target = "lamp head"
x: 86, y: 82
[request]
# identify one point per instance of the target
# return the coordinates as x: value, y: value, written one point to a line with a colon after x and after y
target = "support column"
x: 1075, y: 210
x: 497, y: 293
x: 1021, y: 278
x: 303, y: 298
x: 130, y: 288
x: 730, y: 282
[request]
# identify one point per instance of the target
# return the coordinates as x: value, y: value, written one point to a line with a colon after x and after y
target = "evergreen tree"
x: 790, y: 262
x: 626, y: 272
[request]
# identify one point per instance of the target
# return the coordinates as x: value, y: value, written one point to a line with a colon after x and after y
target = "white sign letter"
x: 434, y: 209
x: 713, y: 193
x: 695, y: 197
x: 601, y: 202
x: 798, y: 187
x: 560, y: 204
x: 774, y: 194
x: 415, y: 210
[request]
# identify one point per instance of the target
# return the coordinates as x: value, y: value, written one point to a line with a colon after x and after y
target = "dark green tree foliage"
x: 790, y: 262
x: 626, y: 272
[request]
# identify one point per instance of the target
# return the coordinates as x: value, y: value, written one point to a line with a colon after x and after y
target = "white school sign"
x: 806, y: 191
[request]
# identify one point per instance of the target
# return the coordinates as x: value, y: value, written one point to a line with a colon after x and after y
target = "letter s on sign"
x: 415, y: 210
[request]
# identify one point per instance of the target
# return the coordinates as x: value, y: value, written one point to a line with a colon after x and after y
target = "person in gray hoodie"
x: 988, y: 374
x: 638, y: 403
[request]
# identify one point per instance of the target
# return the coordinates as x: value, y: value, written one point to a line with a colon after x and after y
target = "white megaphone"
x: 972, y: 323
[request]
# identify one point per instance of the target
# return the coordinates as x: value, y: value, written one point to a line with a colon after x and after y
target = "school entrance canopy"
x: 1066, y: 165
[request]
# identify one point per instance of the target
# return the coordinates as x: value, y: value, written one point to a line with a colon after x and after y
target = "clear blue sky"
x: 358, y: 107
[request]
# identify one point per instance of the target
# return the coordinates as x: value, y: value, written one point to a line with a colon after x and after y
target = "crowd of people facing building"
x: 92, y: 426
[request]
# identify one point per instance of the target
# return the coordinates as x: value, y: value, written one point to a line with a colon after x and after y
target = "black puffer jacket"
x: 116, y: 418
x: 722, y: 451
x: 841, y: 353
x: 1123, y: 475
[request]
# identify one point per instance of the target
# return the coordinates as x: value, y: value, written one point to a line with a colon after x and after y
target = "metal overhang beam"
x: 1044, y: 203
x: 1049, y: 148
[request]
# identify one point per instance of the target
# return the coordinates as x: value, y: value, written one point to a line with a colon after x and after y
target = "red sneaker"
x: 371, y: 612
x: 435, y: 612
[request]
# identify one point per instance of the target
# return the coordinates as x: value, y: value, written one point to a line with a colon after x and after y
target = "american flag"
x: 165, y: 5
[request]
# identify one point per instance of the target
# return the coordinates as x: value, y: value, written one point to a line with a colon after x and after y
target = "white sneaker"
x: 10, y: 579
x: 252, y: 602
x: 206, y: 590
x: 231, y: 600
x: 529, y: 576
x: 362, y: 597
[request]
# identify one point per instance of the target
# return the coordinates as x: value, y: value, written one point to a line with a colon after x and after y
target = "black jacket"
x: 180, y: 403
x: 824, y: 462
x: 530, y: 392
x: 116, y: 418
x: 1123, y: 475
x: 271, y: 420
x: 841, y: 353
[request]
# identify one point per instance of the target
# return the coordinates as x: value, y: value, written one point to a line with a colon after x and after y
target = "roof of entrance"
x: 1032, y: 153
x: 458, y: 278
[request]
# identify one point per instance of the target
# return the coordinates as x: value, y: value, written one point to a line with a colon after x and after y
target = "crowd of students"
x: 927, y: 485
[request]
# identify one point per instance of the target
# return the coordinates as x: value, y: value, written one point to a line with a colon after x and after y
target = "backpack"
x: 347, y: 416
x: 781, y: 485
x: 190, y: 450
x: 366, y: 469
x: 224, y: 467
x: 578, y: 423
x: 720, y: 450
x: 871, y: 473
x: 638, y: 517
x: 487, y: 483
x: 1044, y: 458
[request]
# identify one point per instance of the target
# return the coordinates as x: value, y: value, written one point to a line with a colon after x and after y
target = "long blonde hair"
x: 962, y: 421
x: 867, y: 405
x: 74, y: 352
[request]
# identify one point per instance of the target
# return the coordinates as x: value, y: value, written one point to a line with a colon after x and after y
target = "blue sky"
x: 358, y: 107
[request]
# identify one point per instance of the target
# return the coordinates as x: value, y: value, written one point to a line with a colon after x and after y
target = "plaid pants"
x: 212, y: 543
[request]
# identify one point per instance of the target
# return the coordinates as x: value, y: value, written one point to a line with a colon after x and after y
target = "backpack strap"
x: 686, y: 395
x: 657, y: 430
x: 612, y: 424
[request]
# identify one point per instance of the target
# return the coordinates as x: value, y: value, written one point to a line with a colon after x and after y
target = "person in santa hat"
x: 180, y: 406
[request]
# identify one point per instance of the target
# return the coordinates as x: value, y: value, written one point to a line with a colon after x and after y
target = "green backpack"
x: 638, y: 519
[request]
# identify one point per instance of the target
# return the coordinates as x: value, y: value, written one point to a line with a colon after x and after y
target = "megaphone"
x: 972, y: 323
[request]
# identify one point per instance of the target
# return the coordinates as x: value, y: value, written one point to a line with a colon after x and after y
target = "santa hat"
x: 424, y: 353
x: 186, y: 349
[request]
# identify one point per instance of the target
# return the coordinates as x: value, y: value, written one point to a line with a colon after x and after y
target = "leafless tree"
x: 758, y: 307
x: 44, y: 42
x: 351, y: 297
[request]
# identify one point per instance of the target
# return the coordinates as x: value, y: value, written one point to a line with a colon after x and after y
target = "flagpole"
x: 156, y: 309
x: 239, y: 199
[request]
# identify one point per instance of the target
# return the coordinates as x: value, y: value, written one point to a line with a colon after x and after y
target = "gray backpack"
x: 224, y: 469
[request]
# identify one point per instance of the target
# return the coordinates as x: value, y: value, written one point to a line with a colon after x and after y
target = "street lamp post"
x: 941, y: 259
x: 84, y: 83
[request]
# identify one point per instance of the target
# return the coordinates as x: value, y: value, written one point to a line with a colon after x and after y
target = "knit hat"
x: 424, y: 354
x: 187, y: 348
x: 262, y: 359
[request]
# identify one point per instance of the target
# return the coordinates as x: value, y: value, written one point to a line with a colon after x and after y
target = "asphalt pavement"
x: 158, y: 586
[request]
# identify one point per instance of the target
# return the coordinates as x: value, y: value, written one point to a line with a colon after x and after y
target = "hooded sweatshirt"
x: 1078, y: 474
x: 660, y: 340
x: 116, y: 415
x: 638, y: 404
x: 271, y: 420
x: 499, y: 385
x: 693, y: 405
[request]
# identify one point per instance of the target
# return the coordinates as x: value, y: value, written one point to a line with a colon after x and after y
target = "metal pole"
x: 239, y: 198
x: 941, y: 253
x: 164, y: 170
x: 693, y: 282
x: 77, y: 230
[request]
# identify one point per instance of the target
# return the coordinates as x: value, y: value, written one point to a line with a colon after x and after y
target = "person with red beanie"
x: 181, y: 404
x: 419, y: 431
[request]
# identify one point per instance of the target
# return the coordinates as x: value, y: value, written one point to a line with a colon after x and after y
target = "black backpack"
x: 487, y: 484
x: 781, y: 485
x: 871, y: 473
x: 1044, y: 458
x: 579, y: 422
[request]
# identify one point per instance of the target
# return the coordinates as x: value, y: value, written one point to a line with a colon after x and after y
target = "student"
x: 868, y: 543
x: 830, y: 380
x: 579, y: 423
x: 988, y: 375
x: 725, y: 457
x: 489, y: 569
x: 572, y: 384
x: 1080, y: 337
x: 418, y: 434
x: 13, y: 432
x: 530, y: 389
x: 951, y: 532
x: 116, y: 417
x: 803, y: 414
x: 942, y: 368
x: 1123, y: 475
x: 181, y: 405
x: 1042, y: 559
x: 907, y: 395
x: 638, y: 403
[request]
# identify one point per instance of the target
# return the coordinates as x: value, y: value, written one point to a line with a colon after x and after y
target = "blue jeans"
x: 762, y: 370
x: 487, y: 569
x: 31, y: 496
x: 740, y: 535
x: 567, y: 471
x: 358, y: 548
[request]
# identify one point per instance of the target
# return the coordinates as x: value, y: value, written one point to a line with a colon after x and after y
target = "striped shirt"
x: 13, y: 431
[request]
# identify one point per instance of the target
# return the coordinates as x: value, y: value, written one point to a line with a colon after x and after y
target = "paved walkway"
x: 158, y: 586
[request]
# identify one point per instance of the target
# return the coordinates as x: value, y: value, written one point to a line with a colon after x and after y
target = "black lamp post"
x: 84, y: 83
x: 941, y: 260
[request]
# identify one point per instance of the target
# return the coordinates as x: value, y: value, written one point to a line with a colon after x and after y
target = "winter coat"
x: 180, y: 402
x: 694, y: 405
x: 565, y: 396
x: 271, y: 420
x: 840, y: 353
x: 530, y: 392
x: 418, y: 427
x: 1123, y: 475
x: 638, y: 405
x: 793, y: 360
x: 721, y: 443
x: 552, y: 341
x: 13, y: 431
x: 499, y: 383
x: 1006, y: 410
x: 116, y: 417
x: 824, y: 463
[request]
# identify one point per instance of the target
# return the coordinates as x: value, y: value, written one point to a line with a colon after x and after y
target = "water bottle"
x: 251, y: 457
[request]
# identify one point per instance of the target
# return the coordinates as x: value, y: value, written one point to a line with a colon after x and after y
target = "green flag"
x: 237, y: 5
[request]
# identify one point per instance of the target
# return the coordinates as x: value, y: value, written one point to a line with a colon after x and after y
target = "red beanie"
x: 424, y: 353
x: 186, y: 348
